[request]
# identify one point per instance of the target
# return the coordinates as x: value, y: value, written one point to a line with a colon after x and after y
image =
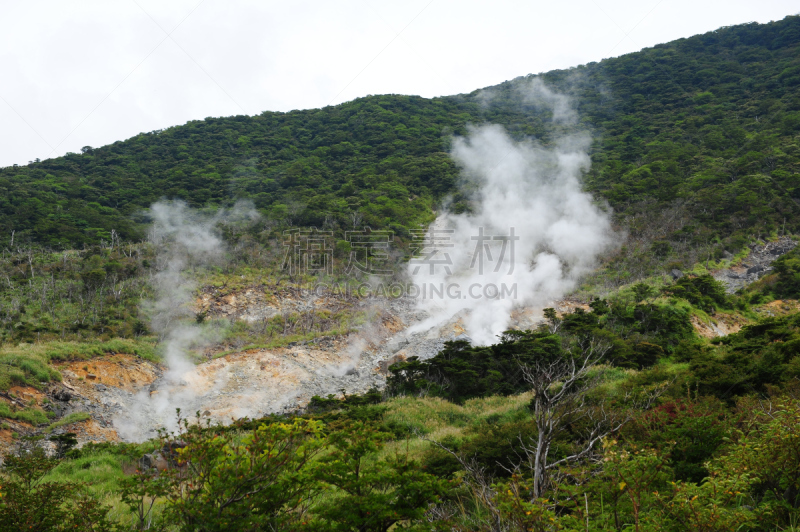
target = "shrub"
x: 787, y: 267
x: 703, y: 291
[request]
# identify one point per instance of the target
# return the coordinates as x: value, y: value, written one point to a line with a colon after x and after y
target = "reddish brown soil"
x: 121, y: 371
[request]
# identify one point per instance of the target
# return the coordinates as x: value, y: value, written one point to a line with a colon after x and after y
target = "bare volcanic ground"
x: 130, y: 399
x: 246, y: 384
x: 757, y: 264
x: 257, y: 382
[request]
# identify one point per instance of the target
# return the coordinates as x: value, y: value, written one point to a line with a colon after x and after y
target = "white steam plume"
x: 534, y: 91
x: 521, y: 186
x: 185, y: 240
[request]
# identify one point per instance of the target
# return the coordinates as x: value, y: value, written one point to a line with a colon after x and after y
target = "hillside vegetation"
x: 663, y: 430
x: 616, y: 414
x: 704, y: 127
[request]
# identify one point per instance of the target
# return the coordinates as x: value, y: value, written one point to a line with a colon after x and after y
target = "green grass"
x: 68, y: 419
x: 86, y: 350
x: 437, y: 417
x: 611, y: 375
x: 100, y: 474
x: 32, y: 415
x: 25, y: 369
x: 101, y: 471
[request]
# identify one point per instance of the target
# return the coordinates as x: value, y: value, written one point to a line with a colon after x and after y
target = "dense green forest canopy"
x: 709, y: 123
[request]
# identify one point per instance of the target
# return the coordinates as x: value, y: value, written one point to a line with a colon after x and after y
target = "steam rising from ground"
x: 529, y: 238
x: 185, y: 240
x: 525, y: 187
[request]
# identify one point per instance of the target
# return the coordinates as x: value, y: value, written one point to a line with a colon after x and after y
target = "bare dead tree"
x: 561, y: 387
x: 355, y: 218
x: 293, y: 211
x: 30, y: 255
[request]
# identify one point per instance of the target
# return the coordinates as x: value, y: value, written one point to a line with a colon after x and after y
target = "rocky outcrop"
x: 757, y: 264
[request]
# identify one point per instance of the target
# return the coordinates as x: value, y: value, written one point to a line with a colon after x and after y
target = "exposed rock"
x: 779, y: 307
x: 720, y: 325
x: 153, y: 461
x: 61, y: 394
x: 676, y: 274
x: 757, y: 264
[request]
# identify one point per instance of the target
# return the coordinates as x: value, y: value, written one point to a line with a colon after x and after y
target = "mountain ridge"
x: 672, y: 121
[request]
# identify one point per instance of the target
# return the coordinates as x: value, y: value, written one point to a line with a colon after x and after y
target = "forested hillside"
x: 707, y: 125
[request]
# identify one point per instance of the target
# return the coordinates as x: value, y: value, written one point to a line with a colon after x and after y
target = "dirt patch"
x: 568, y: 306
x: 393, y: 324
x: 249, y: 304
x: 259, y: 303
x: 126, y: 372
x: 256, y: 382
x: 26, y: 394
x: 247, y: 384
x: 719, y: 325
x: 7, y: 440
x: 95, y: 387
x: 779, y: 307
x: 87, y: 387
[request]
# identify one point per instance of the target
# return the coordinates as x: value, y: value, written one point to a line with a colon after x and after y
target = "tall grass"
x: 437, y: 417
x: 32, y: 415
x: 68, y: 420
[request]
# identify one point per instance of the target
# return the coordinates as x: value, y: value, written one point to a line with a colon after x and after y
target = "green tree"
x: 221, y: 480
x: 638, y: 473
x: 767, y: 449
x: 64, y: 442
x: 642, y: 291
x: 371, y: 493
x: 788, y: 269
x: 27, y: 502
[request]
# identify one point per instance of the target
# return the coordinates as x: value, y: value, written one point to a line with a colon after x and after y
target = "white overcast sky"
x: 92, y: 72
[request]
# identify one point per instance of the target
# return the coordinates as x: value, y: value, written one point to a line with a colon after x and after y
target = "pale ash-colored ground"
x: 130, y: 399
